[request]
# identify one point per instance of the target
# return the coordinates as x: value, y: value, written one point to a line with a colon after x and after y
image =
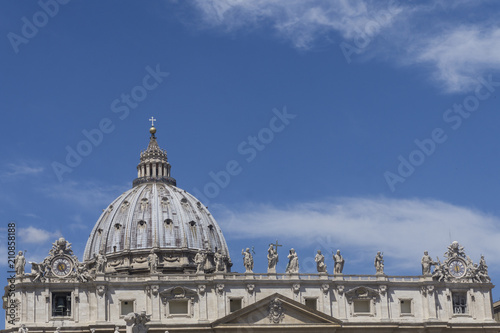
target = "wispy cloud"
x: 32, y: 235
x: 15, y: 170
x: 401, y: 228
x: 427, y: 34
x: 86, y: 194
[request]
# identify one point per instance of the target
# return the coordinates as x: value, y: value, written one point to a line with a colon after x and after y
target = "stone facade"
x: 157, y: 261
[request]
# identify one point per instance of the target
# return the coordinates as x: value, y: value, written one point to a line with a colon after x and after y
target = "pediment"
x: 277, y: 310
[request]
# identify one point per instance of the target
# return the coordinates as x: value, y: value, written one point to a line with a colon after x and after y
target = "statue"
x: 101, y: 262
x: 219, y: 261
x: 20, y: 262
x: 293, y: 262
x: 339, y: 263
x: 58, y: 330
x: 152, y: 261
x: 39, y: 270
x: 117, y: 329
x: 320, y: 262
x: 136, y: 323
x: 82, y: 272
x: 23, y: 329
x: 272, y: 257
x: 92, y: 330
x: 379, y: 263
x: 427, y: 262
x: 200, y: 259
x: 247, y: 260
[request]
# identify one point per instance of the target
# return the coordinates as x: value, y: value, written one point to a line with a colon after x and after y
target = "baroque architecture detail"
x: 157, y: 261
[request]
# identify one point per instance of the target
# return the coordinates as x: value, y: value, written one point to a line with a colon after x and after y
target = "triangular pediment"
x: 277, y: 310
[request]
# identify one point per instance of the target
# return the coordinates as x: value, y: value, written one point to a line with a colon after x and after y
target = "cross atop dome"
x: 152, y: 130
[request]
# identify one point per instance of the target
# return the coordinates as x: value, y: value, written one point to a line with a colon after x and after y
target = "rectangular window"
x: 459, y: 303
x: 311, y: 303
x: 362, y: 306
x: 61, y: 304
x: 127, y: 306
x: 179, y: 307
x: 234, y: 304
x: 405, y: 306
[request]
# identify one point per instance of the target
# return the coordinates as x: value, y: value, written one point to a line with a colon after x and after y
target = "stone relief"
x: 276, y: 313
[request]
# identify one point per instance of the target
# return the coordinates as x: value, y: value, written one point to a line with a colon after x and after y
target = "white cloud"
x: 301, y: 21
x: 434, y: 34
x: 84, y: 194
x: 14, y: 170
x: 401, y: 228
x: 461, y: 54
x: 32, y: 235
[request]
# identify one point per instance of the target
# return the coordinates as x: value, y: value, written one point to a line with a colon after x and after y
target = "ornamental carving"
x: 250, y: 288
x: 459, y: 267
x: 276, y: 312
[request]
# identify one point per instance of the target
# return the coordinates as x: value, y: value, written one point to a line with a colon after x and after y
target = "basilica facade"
x: 157, y: 261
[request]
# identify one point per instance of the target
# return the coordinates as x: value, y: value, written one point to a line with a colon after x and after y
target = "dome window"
x: 118, y: 226
x: 192, y: 223
x: 99, y: 231
x: 168, y: 222
x: 211, y: 227
x: 142, y: 223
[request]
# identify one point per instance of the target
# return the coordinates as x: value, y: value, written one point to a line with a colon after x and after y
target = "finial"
x: 152, y: 130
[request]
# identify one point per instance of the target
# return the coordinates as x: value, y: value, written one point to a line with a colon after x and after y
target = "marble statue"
x: 339, y: 263
x: 23, y: 329
x: 427, y: 262
x: 247, y: 260
x: 320, y: 262
x: 38, y: 271
x: 379, y: 263
x: 272, y: 257
x: 101, y: 262
x: 82, y: 272
x: 219, y: 261
x: 58, y: 330
x: 293, y: 262
x: 136, y: 323
x: 153, y: 261
x: 20, y: 262
x: 117, y: 329
x: 200, y: 259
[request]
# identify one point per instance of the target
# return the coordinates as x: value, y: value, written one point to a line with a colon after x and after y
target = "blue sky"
x: 359, y: 125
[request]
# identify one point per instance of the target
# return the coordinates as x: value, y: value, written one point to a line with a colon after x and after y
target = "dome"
x: 156, y: 217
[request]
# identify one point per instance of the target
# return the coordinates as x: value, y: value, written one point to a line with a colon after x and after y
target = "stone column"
x: 76, y: 305
x: 143, y: 170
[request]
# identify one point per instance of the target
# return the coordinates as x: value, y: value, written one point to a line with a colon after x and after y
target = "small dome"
x: 155, y: 216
